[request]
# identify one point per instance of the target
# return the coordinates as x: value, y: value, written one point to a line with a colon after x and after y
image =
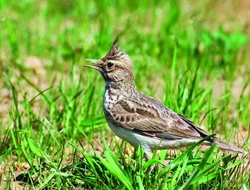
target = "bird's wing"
x: 150, y: 117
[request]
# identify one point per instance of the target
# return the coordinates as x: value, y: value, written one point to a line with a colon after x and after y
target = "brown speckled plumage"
x: 140, y: 119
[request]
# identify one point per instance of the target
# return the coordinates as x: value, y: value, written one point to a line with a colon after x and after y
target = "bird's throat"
x: 121, y: 87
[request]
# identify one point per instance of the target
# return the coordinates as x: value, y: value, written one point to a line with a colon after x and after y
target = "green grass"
x: 52, y: 128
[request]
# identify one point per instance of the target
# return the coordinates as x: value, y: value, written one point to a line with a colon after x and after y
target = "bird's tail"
x: 229, y: 147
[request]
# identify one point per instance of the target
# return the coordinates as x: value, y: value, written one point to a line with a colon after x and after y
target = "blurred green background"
x: 191, y: 55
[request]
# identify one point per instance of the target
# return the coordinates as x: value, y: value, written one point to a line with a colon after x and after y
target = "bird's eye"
x: 110, y: 64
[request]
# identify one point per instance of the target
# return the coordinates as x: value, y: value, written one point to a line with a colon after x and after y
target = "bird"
x: 140, y: 119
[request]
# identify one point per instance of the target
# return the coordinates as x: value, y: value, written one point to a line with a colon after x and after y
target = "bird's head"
x: 115, y: 67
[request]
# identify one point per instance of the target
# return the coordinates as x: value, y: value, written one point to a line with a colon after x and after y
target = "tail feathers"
x: 229, y: 147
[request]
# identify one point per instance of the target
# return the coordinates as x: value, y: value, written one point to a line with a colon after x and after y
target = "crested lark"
x: 140, y: 119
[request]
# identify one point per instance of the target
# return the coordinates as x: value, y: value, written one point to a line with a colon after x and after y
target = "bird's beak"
x: 92, y: 60
x: 96, y: 67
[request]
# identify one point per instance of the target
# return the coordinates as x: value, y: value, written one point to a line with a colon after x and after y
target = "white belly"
x: 149, y: 143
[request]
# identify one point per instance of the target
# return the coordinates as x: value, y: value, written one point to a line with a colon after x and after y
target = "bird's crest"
x: 114, y: 50
x: 115, y: 53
